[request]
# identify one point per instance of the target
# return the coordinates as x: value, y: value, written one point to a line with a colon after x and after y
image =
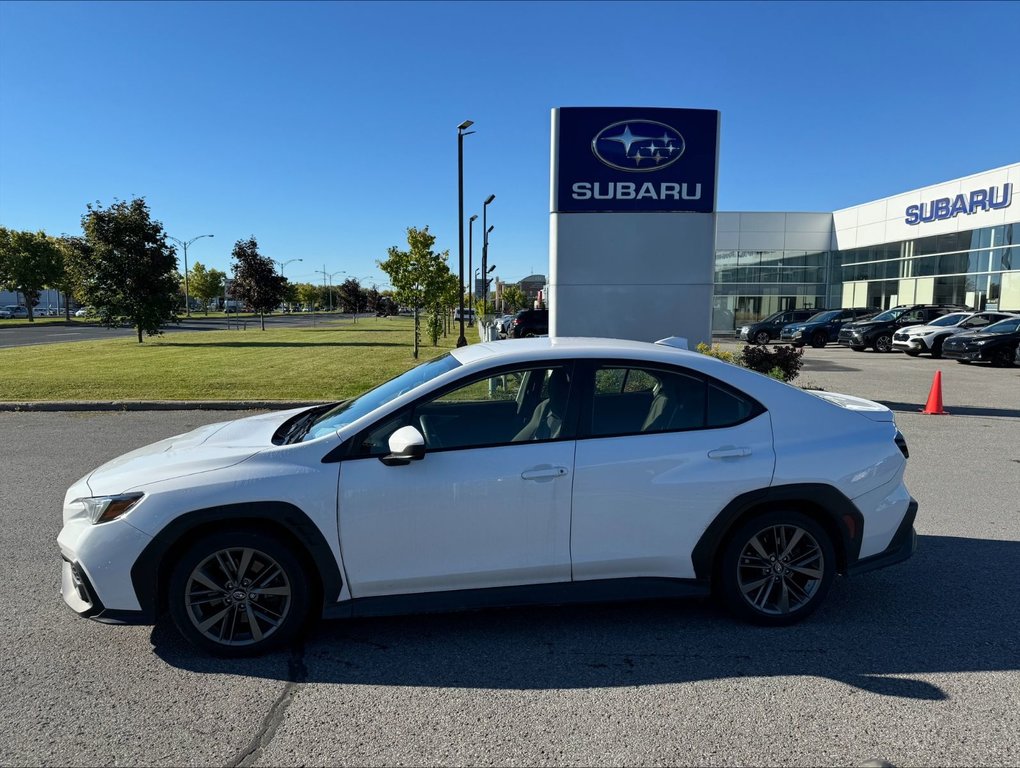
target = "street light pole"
x: 462, y: 131
x: 184, y: 244
x: 485, y: 247
x: 281, y: 265
x: 471, y: 290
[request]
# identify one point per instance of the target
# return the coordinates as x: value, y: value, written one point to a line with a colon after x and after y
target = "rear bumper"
x: 902, y: 546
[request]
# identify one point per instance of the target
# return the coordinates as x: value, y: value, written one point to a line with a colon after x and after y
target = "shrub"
x: 779, y: 362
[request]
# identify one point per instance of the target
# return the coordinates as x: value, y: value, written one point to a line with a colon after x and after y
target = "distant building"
x: 531, y: 286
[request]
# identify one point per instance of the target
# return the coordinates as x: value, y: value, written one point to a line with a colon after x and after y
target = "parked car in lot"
x: 769, y: 328
x: 15, y: 311
x: 82, y: 311
x: 822, y: 327
x: 528, y: 322
x: 503, y: 325
x: 500, y: 473
x: 916, y: 339
x: 877, y: 332
x: 996, y: 344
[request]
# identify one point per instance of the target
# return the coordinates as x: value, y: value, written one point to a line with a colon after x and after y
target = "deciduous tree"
x: 29, y: 261
x: 205, y: 284
x: 124, y: 268
x: 417, y: 274
x: 256, y: 281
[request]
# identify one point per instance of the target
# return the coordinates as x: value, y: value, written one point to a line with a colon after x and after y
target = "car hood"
x: 871, y: 409
x: 211, y: 447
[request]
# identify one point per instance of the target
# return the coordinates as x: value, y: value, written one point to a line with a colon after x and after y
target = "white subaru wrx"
x: 538, y: 470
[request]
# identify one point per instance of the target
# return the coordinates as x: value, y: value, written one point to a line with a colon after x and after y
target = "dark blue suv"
x: 821, y: 328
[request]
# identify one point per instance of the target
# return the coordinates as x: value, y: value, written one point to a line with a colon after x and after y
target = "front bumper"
x: 96, y: 578
x: 954, y: 353
x: 911, y: 344
x: 901, y: 547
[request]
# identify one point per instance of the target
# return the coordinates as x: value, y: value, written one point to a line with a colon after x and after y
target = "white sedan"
x: 542, y: 470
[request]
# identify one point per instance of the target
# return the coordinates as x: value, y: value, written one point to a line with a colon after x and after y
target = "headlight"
x: 982, y: 342
x: 103, y: 509
x: 797, y: 333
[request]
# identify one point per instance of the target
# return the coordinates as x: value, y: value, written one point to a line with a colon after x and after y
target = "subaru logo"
x: 638, y: 145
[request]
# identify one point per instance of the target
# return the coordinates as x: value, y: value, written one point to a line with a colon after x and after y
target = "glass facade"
x: 752, y: 284
x: 978, y: 268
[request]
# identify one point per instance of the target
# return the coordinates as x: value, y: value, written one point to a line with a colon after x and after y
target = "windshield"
x: 352, y: 410
x: 889, y: 314
x: 773, y: 317
x: 824, y: 317
x: 1003, y: 326
x: 954, y: 319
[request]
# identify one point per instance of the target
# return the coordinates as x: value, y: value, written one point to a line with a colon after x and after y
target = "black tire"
x: 819, y: 340
x: 883, y: 343
x: 936, y: 348
x: 1002, y: 358
x: 239, y: 619
x: 752, y: 567
x: 762, y: 338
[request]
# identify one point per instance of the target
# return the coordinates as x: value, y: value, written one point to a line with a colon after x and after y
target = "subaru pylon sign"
x: 614, y: 159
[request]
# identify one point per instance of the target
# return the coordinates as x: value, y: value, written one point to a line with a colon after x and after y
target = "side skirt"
x: 560, y: 593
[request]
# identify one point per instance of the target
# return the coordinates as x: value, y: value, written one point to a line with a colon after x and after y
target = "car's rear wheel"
x: 819, y: 339
x: 762, y: 337
x: 238, y: 593
x: 883, y: 343
x: 777, y: 568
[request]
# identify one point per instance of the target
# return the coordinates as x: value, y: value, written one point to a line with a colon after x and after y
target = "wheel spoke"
x: 242, y: 569
x: 797, y: 536
x: 756, y: 544
x: 253, y: 624
x: 809, y: 572
x: 748, y: 588
x: 784, y: 598
x: 280, y: 591
x: 206, y: 582
x: 764, y: 595
x: 267, y: 575
x: 226, y: 564
x: 209, y: 622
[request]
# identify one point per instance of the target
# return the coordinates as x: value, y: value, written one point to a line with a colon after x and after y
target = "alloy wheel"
x: 883, y: 343
x: 780, y: 569
x: 238, y: 596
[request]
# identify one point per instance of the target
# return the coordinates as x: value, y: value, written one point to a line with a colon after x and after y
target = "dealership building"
x: 957, y: 242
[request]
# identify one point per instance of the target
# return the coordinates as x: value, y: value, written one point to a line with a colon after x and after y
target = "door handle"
x: 540, y: 473
x: 729, y: 452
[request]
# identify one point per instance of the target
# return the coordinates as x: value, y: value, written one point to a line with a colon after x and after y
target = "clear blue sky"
x: 327, y: 128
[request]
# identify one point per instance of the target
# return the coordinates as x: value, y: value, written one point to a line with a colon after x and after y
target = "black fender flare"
x: 826, y: 504
x: 149, y: 571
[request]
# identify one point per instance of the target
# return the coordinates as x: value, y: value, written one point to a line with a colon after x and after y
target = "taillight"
x: 901, y: 443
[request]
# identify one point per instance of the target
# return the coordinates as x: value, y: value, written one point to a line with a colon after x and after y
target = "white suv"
x: 929, y: 338
x: 508, y: 472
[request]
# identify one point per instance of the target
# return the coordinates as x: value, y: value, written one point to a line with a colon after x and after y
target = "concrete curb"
x: 160, y: 405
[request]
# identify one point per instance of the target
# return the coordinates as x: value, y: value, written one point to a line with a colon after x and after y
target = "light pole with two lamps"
x: 184, y: 244
x: 462, y: 131
x: 281, y: 265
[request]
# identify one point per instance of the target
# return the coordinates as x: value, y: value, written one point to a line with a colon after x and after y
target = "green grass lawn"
x: 331, y: 361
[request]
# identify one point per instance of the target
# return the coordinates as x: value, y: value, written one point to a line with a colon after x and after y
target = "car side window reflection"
x: 645, y: 401
x: 510, y: 407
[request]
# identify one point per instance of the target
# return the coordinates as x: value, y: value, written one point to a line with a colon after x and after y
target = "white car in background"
x: 509, y: 472
x: 916, y: 339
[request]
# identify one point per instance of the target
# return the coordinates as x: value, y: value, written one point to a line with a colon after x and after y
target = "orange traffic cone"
x: 934, y: 405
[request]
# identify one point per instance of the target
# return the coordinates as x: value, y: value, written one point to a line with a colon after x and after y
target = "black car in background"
x: 529, y: 322
x: 998, y: 344
x: 768, y: 329
x: 877, y: 332
x: 821, y: 328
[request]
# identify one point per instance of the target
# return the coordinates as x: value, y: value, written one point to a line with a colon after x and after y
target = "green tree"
x: 309, y: 295
x: 29, y: 261
x: 256, y: 281
x: 124, y: 267
x: 513, y: 297
x: 350, y: 295
x: 205, y: 284
x: 417, y: 275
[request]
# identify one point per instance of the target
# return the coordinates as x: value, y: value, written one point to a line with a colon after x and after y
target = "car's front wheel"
x: 238, y: 593
x: 883, y: 343
x: 819, y: 340
x: 762, y: 337
x: 777, y: 568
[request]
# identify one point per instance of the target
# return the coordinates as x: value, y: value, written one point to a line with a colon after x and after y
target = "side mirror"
x: 406, y: 445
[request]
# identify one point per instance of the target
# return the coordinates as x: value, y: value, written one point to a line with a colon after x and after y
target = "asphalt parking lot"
x: 918, y: 664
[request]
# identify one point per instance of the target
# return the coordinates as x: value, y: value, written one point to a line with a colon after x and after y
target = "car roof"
x: 546, y: 348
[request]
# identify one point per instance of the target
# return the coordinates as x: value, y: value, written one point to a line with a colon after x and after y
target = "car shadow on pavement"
x: 952, y: 608
x: 955, y: 410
